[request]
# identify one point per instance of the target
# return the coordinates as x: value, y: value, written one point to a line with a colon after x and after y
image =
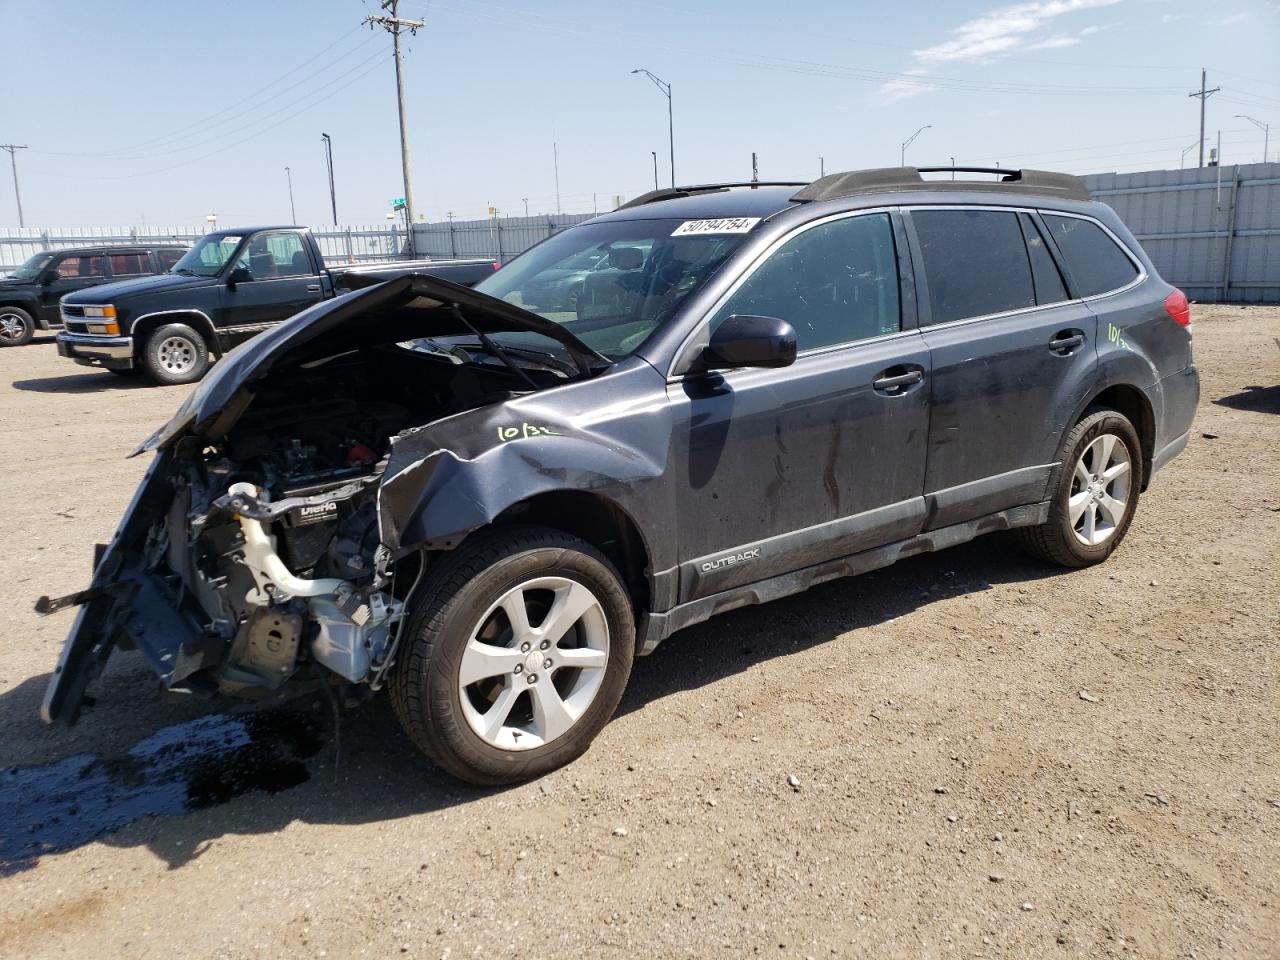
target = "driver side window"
x: 834, y: 283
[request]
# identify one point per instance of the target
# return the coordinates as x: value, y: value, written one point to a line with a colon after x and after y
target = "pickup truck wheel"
x: 1096, y: 495
x: 175, y: 353
x: 516, y: 655
x: 17, y: 327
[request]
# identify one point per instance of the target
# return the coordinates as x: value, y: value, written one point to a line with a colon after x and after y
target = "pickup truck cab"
x: 29, y: 295
x: 231, y: 285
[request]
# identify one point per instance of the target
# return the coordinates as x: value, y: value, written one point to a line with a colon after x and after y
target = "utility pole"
x: 13, y: 148
x: 293, y: 214
x: 555, y: 158
x: 395, y: 26
x: 328, y: 155
x: 1203, y: 95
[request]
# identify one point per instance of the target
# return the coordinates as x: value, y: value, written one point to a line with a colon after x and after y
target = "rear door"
x: 284, y: 280
x: 1012, y: 356
x: 782, y: 469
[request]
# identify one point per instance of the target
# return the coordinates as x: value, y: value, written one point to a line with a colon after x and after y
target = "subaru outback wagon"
x: 491, y: 508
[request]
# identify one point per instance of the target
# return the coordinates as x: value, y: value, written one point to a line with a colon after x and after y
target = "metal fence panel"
x: 1213, y: 231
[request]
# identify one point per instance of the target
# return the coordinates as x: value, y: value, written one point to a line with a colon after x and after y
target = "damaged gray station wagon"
x: 491, y: 507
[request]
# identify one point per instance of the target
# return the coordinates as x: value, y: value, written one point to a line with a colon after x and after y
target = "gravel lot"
x: 993, y: 758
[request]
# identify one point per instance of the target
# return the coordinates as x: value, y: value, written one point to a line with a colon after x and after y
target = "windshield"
x: 208, y: 256
x: 610, y: 284
x: 31, y: 269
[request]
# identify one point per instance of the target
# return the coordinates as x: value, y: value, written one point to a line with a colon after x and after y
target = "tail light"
x: 496, y: 265
x: 1175, y: 304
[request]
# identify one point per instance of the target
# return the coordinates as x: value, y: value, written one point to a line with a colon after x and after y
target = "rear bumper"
x: 1180, y: 394
x: 114, y: 353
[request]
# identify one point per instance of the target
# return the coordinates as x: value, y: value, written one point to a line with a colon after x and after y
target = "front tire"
x: 516, y: 655
x: 174, y: 354
x: 17, y: 327
x: 1096, y: 494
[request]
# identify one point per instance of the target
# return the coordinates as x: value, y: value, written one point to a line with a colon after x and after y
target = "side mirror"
x: 47, y: 277
x: 743, y: 340
x: 238, y: 275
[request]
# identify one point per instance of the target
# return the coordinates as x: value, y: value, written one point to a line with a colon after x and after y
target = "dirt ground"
x: 994, y: 758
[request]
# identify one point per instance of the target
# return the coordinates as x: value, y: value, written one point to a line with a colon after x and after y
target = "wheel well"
x: 601, y: 523
x: 144, y: 328
x: 1133, y: 403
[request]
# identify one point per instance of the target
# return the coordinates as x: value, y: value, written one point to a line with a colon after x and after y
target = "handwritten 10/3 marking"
x: 1116, y: 336
x: 526, y: 430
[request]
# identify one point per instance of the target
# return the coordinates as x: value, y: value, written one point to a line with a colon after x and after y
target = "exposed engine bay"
x: 271, y: 544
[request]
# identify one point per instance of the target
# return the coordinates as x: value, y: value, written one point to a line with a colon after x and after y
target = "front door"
x: 70, y: 275
x: 782, y: 469
x: 283, y: 282
x: 1012, y: 355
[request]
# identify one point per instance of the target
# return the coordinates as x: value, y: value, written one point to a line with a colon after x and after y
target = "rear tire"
x: 17, y: 327
x: 489, y: 698
x: 1096, y: 494
x: 175, y: 354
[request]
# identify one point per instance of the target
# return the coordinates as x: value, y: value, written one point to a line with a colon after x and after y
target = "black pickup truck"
x: 29, y: 295
x: 230, y: 286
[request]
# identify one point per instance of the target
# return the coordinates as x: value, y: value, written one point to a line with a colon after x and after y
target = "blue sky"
x: 167, y: 111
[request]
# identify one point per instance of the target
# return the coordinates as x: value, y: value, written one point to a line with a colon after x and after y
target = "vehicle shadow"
x: 1254, y: 399
x: 99, y: 382
x: 134, y: 757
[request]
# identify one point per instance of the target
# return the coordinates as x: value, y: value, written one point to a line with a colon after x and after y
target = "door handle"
x: 895, y: 383
x: 313, y: 288
x: 1065, y: 341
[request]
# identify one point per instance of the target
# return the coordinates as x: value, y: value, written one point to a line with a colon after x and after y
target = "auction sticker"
x: 723, y: 225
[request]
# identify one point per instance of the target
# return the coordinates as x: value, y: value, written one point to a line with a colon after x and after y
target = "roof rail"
x: 671, y: 193
x: 894, y: 179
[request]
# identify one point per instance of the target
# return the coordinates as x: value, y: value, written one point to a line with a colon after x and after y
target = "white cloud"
x: 901, y: 89
x: 1004, y: 29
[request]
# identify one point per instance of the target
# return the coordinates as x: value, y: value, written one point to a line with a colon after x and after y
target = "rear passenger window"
x: 975, y: 262
x: 1049, y: 285
x: 834, y: 283
x: 1096, y: 264
x: 130, y: 264
x: 80, y: 267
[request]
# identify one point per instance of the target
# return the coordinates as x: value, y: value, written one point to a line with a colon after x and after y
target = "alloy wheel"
x: 12, y: 327
x: 534, y: 663
x: 177, y: 355
x: 1100, y: 489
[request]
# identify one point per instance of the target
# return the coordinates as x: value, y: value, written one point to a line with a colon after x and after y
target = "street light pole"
x: 655, y: 168
x: 671, y: 127
x: 328, y: 154
x: 526, y: 206
x: 906, y: 143
x: 1266, y: 132
x: 293, y: 215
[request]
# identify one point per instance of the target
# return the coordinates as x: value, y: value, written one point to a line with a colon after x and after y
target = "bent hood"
x: 411, y: 307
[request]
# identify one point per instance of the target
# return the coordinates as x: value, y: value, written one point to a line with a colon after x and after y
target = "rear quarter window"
x: 1096, y: 263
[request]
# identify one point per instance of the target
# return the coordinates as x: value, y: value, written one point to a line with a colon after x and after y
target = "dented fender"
x: 450, y: 477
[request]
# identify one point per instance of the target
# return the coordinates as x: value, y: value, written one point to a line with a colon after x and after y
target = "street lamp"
x: 671, y: 129
x: 1266, y: 132
x: 906, y: 143
x: 526, y: 206
x: 212, y: 221
x: 1183, y: 159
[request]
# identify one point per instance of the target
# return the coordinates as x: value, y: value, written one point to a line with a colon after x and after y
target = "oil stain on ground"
x: 185, y: 767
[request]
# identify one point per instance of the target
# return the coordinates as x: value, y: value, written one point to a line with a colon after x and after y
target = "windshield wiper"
x: 493, y: 348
